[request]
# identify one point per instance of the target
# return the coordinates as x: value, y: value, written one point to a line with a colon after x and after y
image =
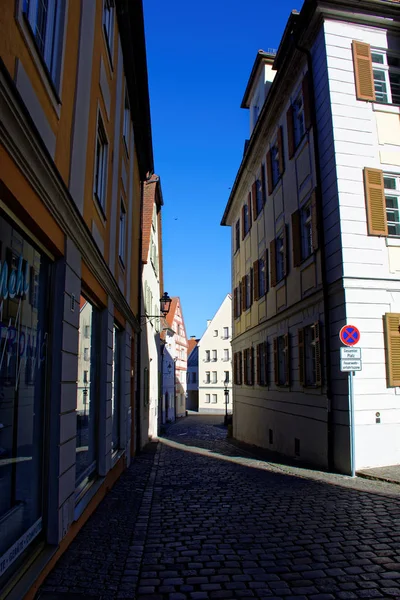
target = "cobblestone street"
x: 196, y: 517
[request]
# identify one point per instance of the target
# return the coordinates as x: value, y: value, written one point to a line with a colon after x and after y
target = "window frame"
x: 122, y: 233
x: 386, y: 70
x: 108, y: 21
x: 280, y: 256
x: 392, y: 193
x: 101, y: 165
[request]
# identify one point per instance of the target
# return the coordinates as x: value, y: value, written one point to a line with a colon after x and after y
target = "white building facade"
x: 215, y: 362
x: 315, y: 224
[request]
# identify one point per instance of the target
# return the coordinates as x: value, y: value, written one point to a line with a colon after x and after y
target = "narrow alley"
x: 196, y: 517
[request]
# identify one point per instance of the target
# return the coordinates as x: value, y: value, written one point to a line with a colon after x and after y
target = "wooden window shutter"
x: 234, y: 368
x: 302, y: 362
x: 264, y: 184
x: 272, y: 253
x: 235, y: 302
x: 251, y: 276
x: 280, y: 149
x: 254, y: 196
x: 308, y: 120
x: 249, y: 208
x: 287, y: 361
x: 317, y: 346
x: 276, y: 364
x: 314, y: 222
x: 269, y: 172
x: 266, y: 263
x: 296, y: 237
x: 243, y: 231
x: 243, y: 293
x: 290, y: 131
x: 375, y: 200
x: 256, y: 286
x: 363, y: 73
x: 258, y: 364
x: 392, y: 343
x: 285, y: 252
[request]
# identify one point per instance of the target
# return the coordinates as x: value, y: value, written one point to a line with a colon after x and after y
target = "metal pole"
x: 352, y: 425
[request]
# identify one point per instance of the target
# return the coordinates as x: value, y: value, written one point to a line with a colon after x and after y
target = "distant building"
x: 315, y: 219
x: 192, y: 401
x: 215, y: 361
x: 174, y: 364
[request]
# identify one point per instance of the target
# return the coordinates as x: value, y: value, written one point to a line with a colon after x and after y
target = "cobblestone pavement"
x: 205, y: 519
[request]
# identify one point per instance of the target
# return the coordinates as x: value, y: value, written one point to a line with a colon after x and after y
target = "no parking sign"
x: 349, y: 335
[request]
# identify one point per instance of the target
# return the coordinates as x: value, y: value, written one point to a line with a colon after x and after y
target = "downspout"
x: 323, y: 255
x: 139, y: 335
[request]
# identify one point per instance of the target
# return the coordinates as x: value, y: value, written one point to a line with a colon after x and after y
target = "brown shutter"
x: 250, y: 276
x: 234, y: 368
x: 269, y: 172
x: 249, y: 208
x: 302, y: 377
x: 243, y: 231
x: 375, y: 199
x: 287, y: 354
x: 244, y: 293
x: 272, y: 253
x: 290, y: 131
x: 258, y: 364
x: 285, y: 252
x: 254, y: 196
x: 314, y: 222
x: 363, y: 74
x: 318, y: 366
x: 276, y: 366
x: 266, y: 271
x: 280, y: 149
x: 235, y: 302
x: 296, y: 237
x: 256, y: 286
x: 308, y: 120
x: 392, y: 343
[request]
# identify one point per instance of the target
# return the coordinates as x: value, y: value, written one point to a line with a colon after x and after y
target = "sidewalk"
x: 390, y: 474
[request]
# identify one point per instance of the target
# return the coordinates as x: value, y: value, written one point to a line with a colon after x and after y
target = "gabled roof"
x: 192, y: 343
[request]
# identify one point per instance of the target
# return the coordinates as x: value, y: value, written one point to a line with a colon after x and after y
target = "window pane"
x: 395, y: 87
x: 378, y: 58
x: 380, y: 86
x: 86, y: 409
x: 389, y: 183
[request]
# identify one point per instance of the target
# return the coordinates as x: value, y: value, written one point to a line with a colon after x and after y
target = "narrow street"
x: 195, y: 517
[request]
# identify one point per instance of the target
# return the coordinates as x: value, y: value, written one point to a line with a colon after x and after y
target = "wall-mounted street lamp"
x: 226, y: 392
x: 165, y: 305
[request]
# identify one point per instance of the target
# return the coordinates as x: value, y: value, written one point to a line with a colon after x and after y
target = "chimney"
x: 192, y: 337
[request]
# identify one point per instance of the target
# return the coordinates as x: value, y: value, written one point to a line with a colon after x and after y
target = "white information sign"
x: 350, y: 364
x: 350, y: 353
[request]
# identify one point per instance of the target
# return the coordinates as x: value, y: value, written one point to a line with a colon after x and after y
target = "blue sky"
x: 199, y: 58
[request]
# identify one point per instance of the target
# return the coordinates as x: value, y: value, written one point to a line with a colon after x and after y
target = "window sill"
x: 300, y: 145
x: 280, y: 283
x: 393, y: 109
x: 100, y: 209
x: 392, y: 241
x: 306, y: 262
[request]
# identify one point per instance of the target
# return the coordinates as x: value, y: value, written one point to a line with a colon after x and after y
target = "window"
x: 226, y: 333
x: 386, y: 75
x: 214, y: 376
x: 247, y: 290
x: 208, y: 380
x: 87, y: 331
x: 214, y: 399
x: 226, y: 377
x: 122, y: 232
x: 207, y: 400
x: 249, y: 366
x: 46, y: 21
x: 306, y: 232
x: 226, y: 354
x: 237, y: 368
x: 116, y: 389
x: 207, y: 356
x: 127, y: 119
x: 281, y: 360
x: 262, y: 364
x: 237, y: 235
x: 215, y: 332
x: 108, y: 24
x: 257, y: 196
x: 280, y: 257
x: 392, y: 202
x: 101, y: 164
x: 193, y: 377
x: 245, y: 220
x: 237, y: 301
x: 309, y: 355
x: 260, y: 277
x: 86, y: 406
x: 299, y: 127
x: 214, y: 355
x: 275, y: 162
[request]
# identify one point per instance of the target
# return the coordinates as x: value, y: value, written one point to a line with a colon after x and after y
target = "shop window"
x: 86, y: 406
x: 46, y: 21
x: 23, y: 358
x: 116, y: 388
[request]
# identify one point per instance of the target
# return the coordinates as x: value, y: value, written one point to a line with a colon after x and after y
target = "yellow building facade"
x: 75, y: 144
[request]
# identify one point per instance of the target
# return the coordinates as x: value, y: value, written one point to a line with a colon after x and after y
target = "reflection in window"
x: 86, y: 409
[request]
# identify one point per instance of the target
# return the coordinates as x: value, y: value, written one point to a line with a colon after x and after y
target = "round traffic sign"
x: 349, y: 335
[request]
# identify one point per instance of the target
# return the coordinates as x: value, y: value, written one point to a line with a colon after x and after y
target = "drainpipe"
x: 139, y: 335
x: 323, y: 255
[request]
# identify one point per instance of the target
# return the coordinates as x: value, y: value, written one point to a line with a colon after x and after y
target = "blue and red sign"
x: 349, y: 335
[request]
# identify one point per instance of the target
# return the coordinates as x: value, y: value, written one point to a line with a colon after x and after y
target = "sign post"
x: 350, y: 361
